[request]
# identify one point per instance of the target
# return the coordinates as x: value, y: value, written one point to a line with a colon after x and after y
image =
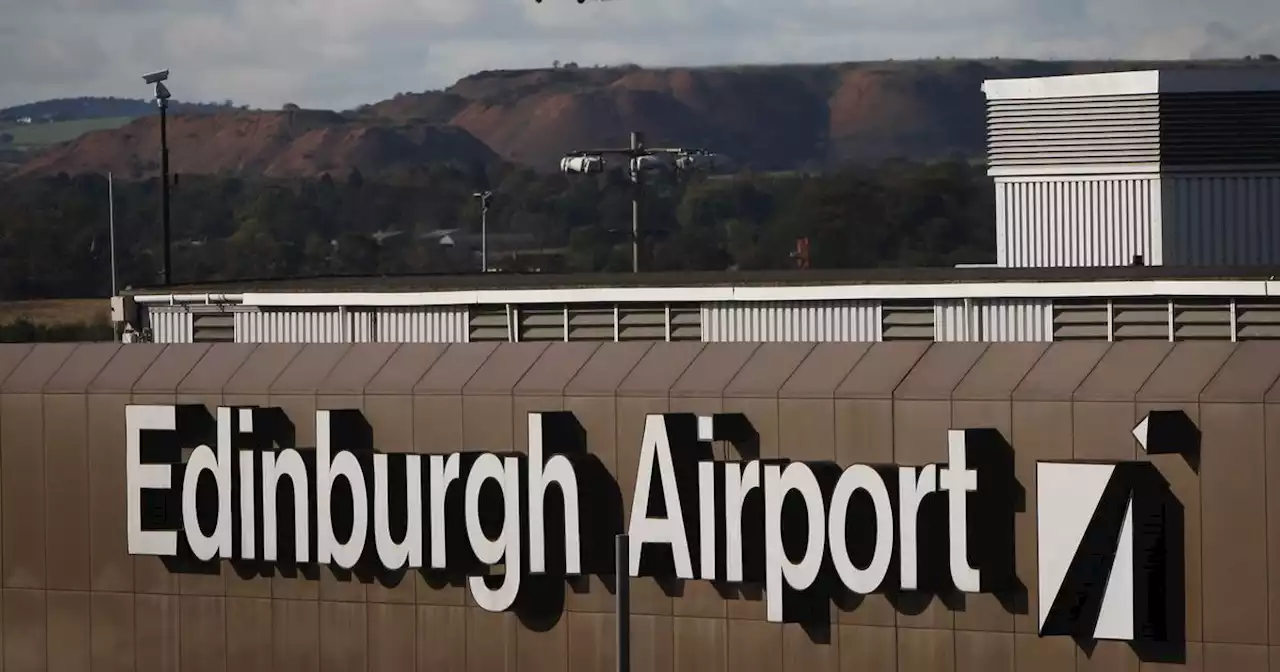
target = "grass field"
x: 40, y: 134
x: 53, y: 312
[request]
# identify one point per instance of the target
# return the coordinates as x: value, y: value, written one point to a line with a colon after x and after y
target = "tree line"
x: 55, y: 232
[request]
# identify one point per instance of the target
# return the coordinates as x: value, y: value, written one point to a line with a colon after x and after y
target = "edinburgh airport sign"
x: 231, y: 488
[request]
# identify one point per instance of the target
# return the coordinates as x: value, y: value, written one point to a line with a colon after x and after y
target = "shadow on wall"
x: 1158, y: 541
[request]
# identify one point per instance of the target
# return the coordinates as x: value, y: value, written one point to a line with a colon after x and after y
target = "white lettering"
x: 247, y: 499
x: 866, y: 580
x: 139, y: 477
x: 739, y: 480
x: 409, y: 550
x: 707, y: 518
x: 655, y: 447
x: 505, y: 547
x: 778, y: 566
x: 286, y: 463
x: 912, y: 490
x: 557, y: 470
x: 443, y: 472
x: 328, y: 470
x: 958, y: 481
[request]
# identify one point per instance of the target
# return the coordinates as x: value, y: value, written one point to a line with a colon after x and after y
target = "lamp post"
x: 640, y: 160
x: 484, y: 197
x: 162, y: 101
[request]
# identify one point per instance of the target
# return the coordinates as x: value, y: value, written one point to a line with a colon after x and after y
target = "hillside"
x: 272, y: 144
x: 764, y: 117
x: 91, y: 107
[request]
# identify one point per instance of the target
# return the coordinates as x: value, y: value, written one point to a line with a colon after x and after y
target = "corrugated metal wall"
x: 993, y: 320
x: 318, y: 325
x: 1070, y: 221
x: 1016, y: 320
x: 421, y: 324
x: 170, y: 324
x: 780, y: 321
x: 1221, y: 219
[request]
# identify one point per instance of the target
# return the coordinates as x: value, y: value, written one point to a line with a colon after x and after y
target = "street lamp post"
x: 640, y: 159
x: 484, y: 197
x: 162, y: 101
x: 637, y: 192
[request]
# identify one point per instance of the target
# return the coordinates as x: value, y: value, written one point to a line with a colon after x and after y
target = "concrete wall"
x: 74, y: 599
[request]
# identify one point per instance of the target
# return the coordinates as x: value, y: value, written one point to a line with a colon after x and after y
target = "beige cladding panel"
x: 72, y: 598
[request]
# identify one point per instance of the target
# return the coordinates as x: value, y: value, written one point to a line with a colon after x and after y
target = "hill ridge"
x: 768, y: 117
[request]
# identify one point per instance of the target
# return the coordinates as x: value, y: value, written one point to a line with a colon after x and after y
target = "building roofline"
x: 1136, y: 82
x: 882, y: 285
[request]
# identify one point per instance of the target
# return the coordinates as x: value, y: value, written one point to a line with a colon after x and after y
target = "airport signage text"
x: 229, y: 490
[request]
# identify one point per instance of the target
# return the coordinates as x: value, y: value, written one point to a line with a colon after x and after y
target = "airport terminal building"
x: 1061, y: 463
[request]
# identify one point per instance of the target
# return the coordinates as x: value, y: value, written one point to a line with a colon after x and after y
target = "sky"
x: 339, y: 54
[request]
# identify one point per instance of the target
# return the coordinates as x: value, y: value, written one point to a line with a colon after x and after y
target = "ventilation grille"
x: 213, y: 328
x: 591, y: 322
x: 1258, y: 320
x: 907, y: 321
x: 1225, y: 128
x: 1235, y: 128
x: 587, y: 322
x: 488, y: 323
x: 1202, y: 320
x: 1080, y: 320
x: 1099, y: 129
x: 686, y: 323
x: 1140, y: 320
x: 642, y: 322
x: 540, y: 323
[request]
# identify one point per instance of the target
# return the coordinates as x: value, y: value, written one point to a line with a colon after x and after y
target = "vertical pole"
x: 111, y: 218
x: 484, y: 234
x: 164, y: 187
x: 111, y: 214
x: 637, y: 144
x: 622, y: 593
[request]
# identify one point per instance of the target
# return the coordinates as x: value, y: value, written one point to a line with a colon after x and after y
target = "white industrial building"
x: 1177, y: 172
x: 1179, y: 167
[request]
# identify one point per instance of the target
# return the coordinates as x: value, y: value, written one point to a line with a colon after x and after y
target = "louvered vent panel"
x: 642, y: 322
x: 1080, y: 320
x: 1238, y: 127
x: 541, y: 322
x: 488, y: 323
x: 213, y: 328
x: 686, y: 322
x: 907, y: 321
x: 1202, y: 319
x: 591, y: 322
x: 1139, y: 319
x: 1258, y: 320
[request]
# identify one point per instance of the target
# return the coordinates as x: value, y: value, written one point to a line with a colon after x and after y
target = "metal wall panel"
x: 420, y: 324
x: 1066, y: 131
x: 1074, y: 222
x: 993, y: 320
x: 955, y: 320
x: 782, y: 321
x: 170, y: 324
x: 1015, y: 320
x: 1221, y: 219
x: 292, y: 326
x: 1220, y: 128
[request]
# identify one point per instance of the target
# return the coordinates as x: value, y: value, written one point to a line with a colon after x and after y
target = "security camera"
x: 156, y: 77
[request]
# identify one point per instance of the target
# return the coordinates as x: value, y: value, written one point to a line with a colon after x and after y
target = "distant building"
x: 1131, y: 205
